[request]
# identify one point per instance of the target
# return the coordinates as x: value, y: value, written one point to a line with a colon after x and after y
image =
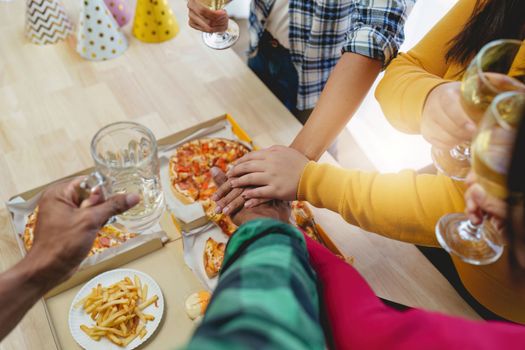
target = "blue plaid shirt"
x: 322, y: 30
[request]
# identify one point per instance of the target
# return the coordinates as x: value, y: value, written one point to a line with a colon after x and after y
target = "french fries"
x: 118, y: 311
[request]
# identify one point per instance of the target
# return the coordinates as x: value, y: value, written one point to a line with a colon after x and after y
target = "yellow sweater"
x: 406, y: 206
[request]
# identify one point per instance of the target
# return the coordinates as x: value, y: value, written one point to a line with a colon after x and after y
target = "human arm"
x: 348, y: 85
x: 266, y: 293
x: 359, y: 320
x: 411, y: 77
x: 59, y: 247
x: 403, y: 206
x: 373, y: 39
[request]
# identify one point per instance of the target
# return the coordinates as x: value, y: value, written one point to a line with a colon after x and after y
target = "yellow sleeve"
x: 411, y: 76
x: 403, y: 206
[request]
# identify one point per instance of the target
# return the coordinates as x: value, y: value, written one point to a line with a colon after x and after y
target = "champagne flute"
x: 491, y: 152
x: 490, y: 73
x: 222, y: 40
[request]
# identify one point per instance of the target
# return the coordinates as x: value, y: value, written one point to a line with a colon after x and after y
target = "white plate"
x: 78, y: 317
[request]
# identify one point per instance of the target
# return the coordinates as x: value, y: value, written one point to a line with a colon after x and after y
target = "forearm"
x: 18, y: 293
x: 355, y: 313
x: 266, y: 293
x: 404, y: 206
x: 344, y: 91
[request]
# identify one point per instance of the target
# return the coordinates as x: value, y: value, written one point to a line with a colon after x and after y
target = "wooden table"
x: 52, y: 102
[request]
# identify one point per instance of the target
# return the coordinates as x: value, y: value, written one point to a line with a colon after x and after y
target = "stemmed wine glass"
x: 491, y: 151
x: 222, y: 40
x: 491, y: 72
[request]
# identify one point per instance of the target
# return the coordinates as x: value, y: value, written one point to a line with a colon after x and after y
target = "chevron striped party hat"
x: 154, y: 21
x: 121, y: 11
x: 99, y: 37
x: 46, y: 22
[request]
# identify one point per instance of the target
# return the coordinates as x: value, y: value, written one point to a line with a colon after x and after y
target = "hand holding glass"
x: 495, y: 69
x: 126, y: 161
x: 226, y: 39
x: 491, y: 152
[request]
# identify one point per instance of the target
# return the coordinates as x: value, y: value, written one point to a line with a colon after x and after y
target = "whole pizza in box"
x: 190, y: 166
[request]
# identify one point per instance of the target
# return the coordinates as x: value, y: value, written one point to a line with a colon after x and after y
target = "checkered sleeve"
x: 376, y: 29
x: 266, y: 297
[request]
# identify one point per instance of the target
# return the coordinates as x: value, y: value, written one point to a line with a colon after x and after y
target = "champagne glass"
x: 491, y: 153
x: 223, y: 40
x: 494, y: 70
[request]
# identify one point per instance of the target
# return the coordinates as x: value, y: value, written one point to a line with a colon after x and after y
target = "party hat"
x: 120, y: 10
x: 99, y: 36
x: 154, y: 21
x: 46, y: 22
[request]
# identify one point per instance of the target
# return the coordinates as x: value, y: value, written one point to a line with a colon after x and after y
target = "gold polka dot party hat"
x: 154, y: 21
x: 99, y: 37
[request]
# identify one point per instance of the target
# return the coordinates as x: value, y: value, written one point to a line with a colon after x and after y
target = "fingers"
x: 264, y: 192
x: 250, y: 180
x: 458, y: 122
x: 252, y: 166
x: 204, y: 19
x: 224, y: 185
x: 218, y: 176
x: 225, y: 201
x: 256, y: 155
x: 503, y: 80
x: 203, y: 25
x: 479, y: 202
x: 113, y: 206
x: 234, y: 206
x: 96, y: 197
x: 71, y: 190
x: 255, y: 202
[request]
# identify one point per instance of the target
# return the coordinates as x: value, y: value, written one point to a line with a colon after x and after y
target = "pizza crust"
x: 213, y: 257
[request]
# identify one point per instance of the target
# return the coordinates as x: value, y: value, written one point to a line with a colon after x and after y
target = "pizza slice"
x: 224, y: 222
x: 213, y: 256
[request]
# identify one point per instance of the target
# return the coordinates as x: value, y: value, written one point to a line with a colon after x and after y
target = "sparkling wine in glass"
x: 223, y: 40
x: 495, y: 69
x: 491, y: 152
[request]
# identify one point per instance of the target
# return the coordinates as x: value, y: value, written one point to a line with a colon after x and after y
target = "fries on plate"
x: 118, y: 311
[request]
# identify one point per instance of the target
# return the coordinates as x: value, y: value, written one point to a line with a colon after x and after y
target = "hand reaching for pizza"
x: 66, y: 228
x: 274, y: 209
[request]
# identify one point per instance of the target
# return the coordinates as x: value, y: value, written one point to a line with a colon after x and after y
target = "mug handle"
x: 90, y: 183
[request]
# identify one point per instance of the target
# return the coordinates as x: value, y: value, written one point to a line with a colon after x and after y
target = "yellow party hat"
x: 154, y: 21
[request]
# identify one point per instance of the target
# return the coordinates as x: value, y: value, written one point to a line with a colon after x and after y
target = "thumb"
x: 113, y: 206
x: 218, y: 176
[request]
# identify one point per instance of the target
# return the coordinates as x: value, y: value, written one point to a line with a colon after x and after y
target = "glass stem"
x: 470, y: 231
x: 461, y: 151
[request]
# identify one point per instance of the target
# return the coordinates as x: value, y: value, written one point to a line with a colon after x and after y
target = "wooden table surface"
x: 52, y: 102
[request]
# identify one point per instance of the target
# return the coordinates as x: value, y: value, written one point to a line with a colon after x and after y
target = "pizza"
x: 224, y: 222
x: 189, y: 166
x: 213, y: 256
x: 304, y: 219
x: 109, y: 236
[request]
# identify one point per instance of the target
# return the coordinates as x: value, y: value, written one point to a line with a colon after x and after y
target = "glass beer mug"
x: 126, y: 161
